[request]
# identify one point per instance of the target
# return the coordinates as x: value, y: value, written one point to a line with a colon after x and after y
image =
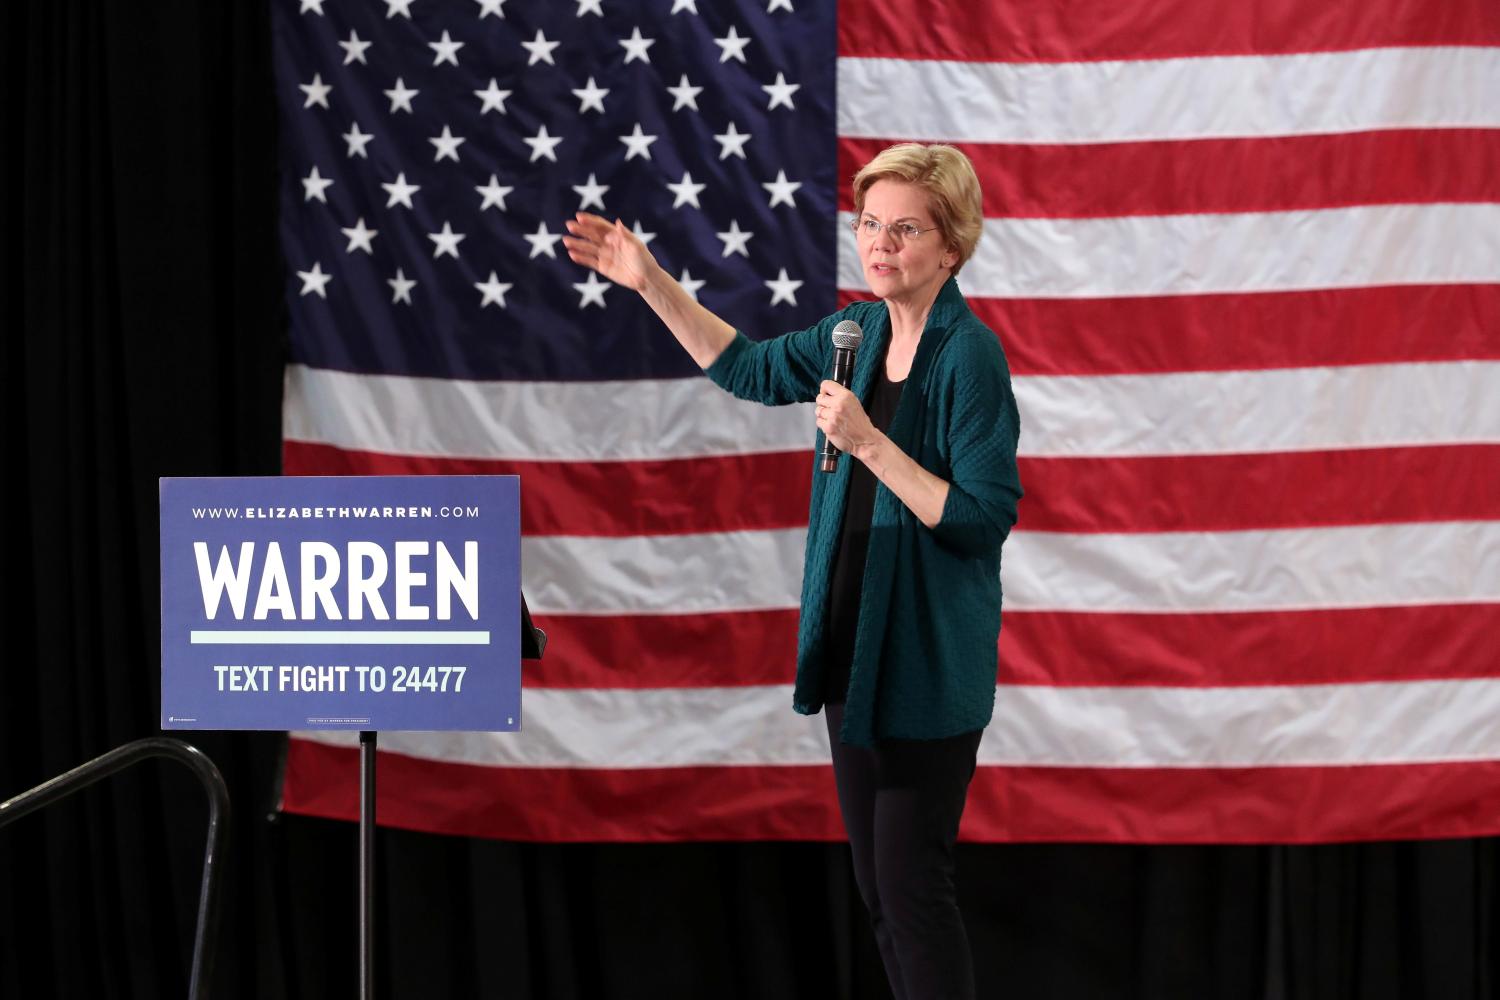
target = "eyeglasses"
x: 902, y: 232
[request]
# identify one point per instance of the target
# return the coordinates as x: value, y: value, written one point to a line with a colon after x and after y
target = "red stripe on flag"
x: 1138, y: 494
x: 1222, y: 175
x: 1350, y: 326
x: 1055, y: 648
x: 567, y: 804
x: 1227, y: 649
x: 1072, y: 30
x: 670, y: 496
x: 1286, y: 805
x: 738, y: 648
x: 1258, y: 491
x: 1218, y: 805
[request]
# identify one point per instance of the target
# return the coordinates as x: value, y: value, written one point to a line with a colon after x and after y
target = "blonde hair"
x: 947, y: 177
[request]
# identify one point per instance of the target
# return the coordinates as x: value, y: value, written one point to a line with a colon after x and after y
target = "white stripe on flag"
x: 1288, y: 409
x: 635, y: 727
x: 1296, y: 409
x: 677, y: 574
x: 1438, y: 243
x: 549, y: 421
x: 1152, y: 99
x: 1445, y: 562
x: 1297, y: 725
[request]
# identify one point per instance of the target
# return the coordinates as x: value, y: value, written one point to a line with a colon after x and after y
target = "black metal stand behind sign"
x: 366, y: 865
x: 533, y: 641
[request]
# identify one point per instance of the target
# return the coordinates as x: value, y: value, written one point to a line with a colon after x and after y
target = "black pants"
x: 901, y: 802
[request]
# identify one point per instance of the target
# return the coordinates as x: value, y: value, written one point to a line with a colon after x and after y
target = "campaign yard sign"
x: 369, y: 602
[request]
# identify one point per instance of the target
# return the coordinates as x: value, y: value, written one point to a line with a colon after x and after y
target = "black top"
x: 854, y: 541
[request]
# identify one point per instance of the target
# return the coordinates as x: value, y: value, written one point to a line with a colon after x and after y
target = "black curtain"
x: 140, y: 295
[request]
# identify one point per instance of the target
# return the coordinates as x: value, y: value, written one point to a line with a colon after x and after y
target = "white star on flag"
x: 637, y: 143
x: 591, y: 193
x: 732, y: 142
x: 493, y: 291
x: 591, y: 95
x: 316, y: 6
x: 776, y: 5
x: 641, y: 234
x: 315, y: 281
x: 732, y: 46
x: 543, y: 144
x: 493, y: 98
x: 394, y: 7
x: 677, y: 5
x: 636, y: 46
x: 400, y: 192
x: 445, y: 242
x: 488, y: 7
x: 686, y: 191
x: 735, y: 240
x: 445, y: 50
x: 354, y: 49
x: 357, y: 141
x: 317, y: 92
x: 781, y: 190
x: 359, y: 237
x: 685, y: 94
x: 592, y: 290
x: 543, y: 241
x: 446, y: 145
x: 314, y: 184
x: 783, y: 289
x: 401, y: 96
x: 540, y: 49
x: 494, y: 193
x: 401, y: 287
x: 589, y: 7
x: 689, y: 283
x: 781, y: 92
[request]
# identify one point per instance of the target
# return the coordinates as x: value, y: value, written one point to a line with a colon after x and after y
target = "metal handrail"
x: 208, y: 775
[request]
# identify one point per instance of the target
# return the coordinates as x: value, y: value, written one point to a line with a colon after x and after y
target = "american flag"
x: 1244, y: 259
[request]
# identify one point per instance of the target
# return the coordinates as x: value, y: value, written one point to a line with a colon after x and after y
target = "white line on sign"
x: 221, y: 637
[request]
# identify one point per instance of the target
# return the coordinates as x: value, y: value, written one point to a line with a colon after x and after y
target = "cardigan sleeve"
x: 785, y: 369
x: 983, y: 428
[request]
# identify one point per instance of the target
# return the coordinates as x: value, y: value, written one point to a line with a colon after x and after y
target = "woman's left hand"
x: 843, y: 419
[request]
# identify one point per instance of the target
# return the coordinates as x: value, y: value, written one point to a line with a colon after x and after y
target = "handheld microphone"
x: 846, y: 339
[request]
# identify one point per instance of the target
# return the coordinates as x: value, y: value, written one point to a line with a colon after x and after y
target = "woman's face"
x: 902, y: 268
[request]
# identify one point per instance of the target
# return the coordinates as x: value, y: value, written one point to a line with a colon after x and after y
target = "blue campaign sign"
x: 370, y: 602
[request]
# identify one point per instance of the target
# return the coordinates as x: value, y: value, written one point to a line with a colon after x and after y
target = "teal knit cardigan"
x: 925, y: 656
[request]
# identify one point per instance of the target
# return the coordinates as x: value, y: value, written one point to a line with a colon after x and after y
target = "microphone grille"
x: 848, y: 335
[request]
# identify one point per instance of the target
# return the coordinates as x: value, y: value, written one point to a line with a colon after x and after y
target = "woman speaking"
x: 901, y: 582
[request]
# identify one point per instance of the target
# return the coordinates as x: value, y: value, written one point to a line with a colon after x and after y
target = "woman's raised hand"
x: 618, y: 254
x: 611, y: 249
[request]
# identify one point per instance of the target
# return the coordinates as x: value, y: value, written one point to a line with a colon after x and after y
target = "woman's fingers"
x: 588, y: 221
x: 830, y: 390
x: 587, y: 229
x: 581, y: 250
x: 584, y: 240
x: 840, y: 415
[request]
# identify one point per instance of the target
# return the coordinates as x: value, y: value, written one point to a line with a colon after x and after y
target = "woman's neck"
x: 909, y: 315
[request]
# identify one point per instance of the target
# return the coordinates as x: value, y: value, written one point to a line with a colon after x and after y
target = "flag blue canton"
x: 459, y: 137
